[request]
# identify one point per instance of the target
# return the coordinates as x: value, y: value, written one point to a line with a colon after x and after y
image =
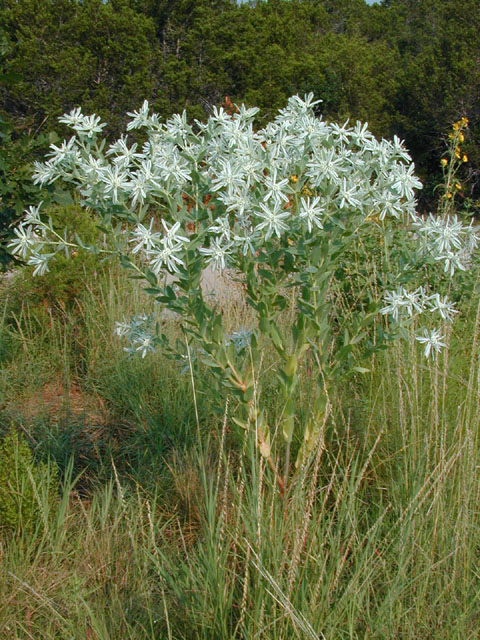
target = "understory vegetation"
x: 156, y: 517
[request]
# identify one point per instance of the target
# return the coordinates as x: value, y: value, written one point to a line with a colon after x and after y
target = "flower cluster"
x: 448, y: 240
x: 230, y: 193
x: 402, y: 305
x: 139, y: 333
x: 243, y: 175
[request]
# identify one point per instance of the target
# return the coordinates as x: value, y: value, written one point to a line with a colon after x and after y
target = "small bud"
x: 444, y: 162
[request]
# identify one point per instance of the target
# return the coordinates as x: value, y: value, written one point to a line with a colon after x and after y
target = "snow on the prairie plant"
x: 232, y: 194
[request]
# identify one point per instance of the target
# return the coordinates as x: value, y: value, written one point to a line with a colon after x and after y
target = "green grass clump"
x: 21, y: 507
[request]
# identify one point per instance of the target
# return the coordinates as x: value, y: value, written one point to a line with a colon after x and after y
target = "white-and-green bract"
x: 231, y: 194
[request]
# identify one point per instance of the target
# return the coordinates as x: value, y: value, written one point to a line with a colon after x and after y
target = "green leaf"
x: 152, y: 278
x: 240, y: 423
x: 288, y: 425
x: 248, y: 394
x: 291, y: 365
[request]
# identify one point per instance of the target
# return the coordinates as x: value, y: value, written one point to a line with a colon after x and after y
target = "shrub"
x: 288, y: 209
x: 62, y: 284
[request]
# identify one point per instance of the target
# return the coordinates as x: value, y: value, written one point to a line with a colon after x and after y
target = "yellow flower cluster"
x: 457, y: 137
x: 455, y: 158
x: 460, y: 124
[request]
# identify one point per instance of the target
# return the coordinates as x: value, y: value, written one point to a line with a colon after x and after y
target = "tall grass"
x: 179, y: 537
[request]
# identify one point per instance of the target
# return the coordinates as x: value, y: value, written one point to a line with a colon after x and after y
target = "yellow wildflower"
x: 464, y: 158
x: 444, y: 162
x: 458, y: 186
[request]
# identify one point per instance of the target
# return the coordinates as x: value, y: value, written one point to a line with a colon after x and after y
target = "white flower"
x: 252, y: 167
x: 443, y: 305
x: 394, y: 303
x: 312, y: 212
x: 452, y: 261
x: 24, y: 242
x: 122, y: 329
x: 32, y: 214
x: 414, y: 301
x: 275, y: 189
x: 177, y: 125
x: 63, y: 152
x: 222, y: 227
x: 348, y: 195
x: 325, y: 166
x: 307, y: 103
x: 138, y: 118
x: 389, y: 204
x: 239, y: 201
x: 273, y: 218
x: 217, y: 253
x: 432, y: 339
x: 172, y: 236
x: 401, y: 299
x: 220, y: 115
x: 165, y: 257
x: 115, y: 180
x: 341, y: 132
x: 360, y: 134
x: 405, y: 181
x: 399, y: 149
x: 89, y: 126
x: 175, y: 168
x: 139, y: 188
x: 124, y: 155
x: 247, y: 243
x: 144, y: 237
x: 448, y: 235
x: 40, y: 262
x: 73, y: 119
x: 144, y: 342
x: 229, y: 176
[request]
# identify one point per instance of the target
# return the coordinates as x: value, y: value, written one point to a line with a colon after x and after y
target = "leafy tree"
x: 439, y: 78
x: 70, y: 52
x: 17, y: 148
